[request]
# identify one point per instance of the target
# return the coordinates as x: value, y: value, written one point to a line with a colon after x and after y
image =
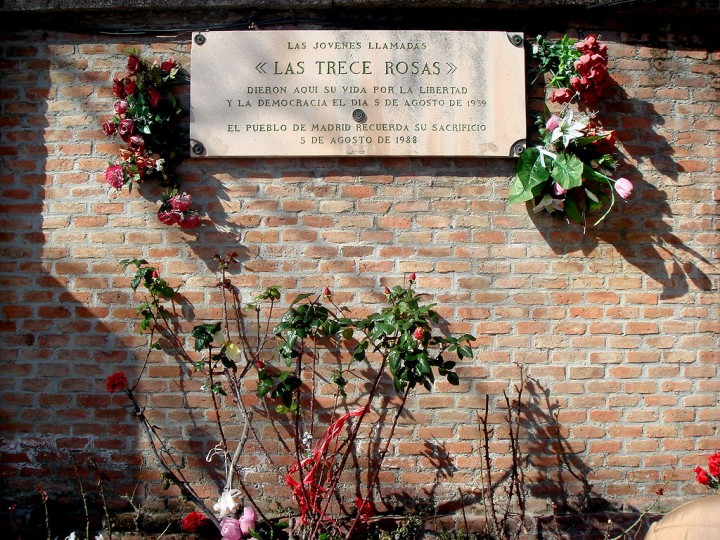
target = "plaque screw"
x: 198, y: 149
x: 516, y: 39
x: 200, y: 39
x: 359, y: 116
x: 518, y: 149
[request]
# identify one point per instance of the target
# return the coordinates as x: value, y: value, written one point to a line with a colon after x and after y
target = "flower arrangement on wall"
x: 146, y: 118
x: 571, y: 172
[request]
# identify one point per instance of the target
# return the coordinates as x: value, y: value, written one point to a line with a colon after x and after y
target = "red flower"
x: 169, y: 218
x: 133, y: 64
x: 701, y: 476
x: 193, y: 521
x: 365, y: 509
x: 181, y: 203
x: 153, y: 96
x: 108, y: 127
x: 561, y: 95
x: 714, y: 464
x: 125, y: 127
x: 412, y: 277
x: 167, y: 66
x: 327, y: 291
x: 387, y: 290
x: 136, y: 144
x: 114, y: 176
x: 116, y: 381
x: 117, y: 87
x: 419, y: 333
x: 189, y: 221
x: 129, y: 87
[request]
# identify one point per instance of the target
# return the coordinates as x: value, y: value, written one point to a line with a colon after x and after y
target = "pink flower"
x: 552, y: 123
x: 114, y: 176
x: 121, y: 106
x: 116, y: 381
x: 701, y: 476
x: 248, y: 520
x: 230, y: 529
x: 561, y: 95
x: 181, y: 203
x: 624, y: 187
x: 189, y: 220
x: 108, y: 127
x: 133, y: 64
x: 558, y: 190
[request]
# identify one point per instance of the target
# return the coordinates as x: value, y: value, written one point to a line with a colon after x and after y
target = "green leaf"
x: 571, y: 211
x: 567, y: 171
x: 518, y: 192
x: 530, y: 173
x: 453, y: 378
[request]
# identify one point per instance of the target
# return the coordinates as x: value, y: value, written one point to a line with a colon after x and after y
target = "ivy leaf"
x: 567, y: 171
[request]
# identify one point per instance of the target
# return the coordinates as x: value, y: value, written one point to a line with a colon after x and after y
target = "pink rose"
x: 561, y: 95
x: 248, y: 520
x: 121, y: 106
x: 125, y: 127
x: 169, y: 218
x: 153, y: 96
x: 552, y: 123
x: 558, y: 190
x: 133, y: 64
x: 624, y: 187
x: 181, y: 203
x: 230, y: 529
x: 190, y: 220
x: 108, y: 127
x: 114, y: 176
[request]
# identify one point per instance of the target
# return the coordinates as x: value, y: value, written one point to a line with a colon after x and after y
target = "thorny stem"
x: 378, y: 467
x: 488, y: 463
x: 102, y: 496
x: 82, y: 495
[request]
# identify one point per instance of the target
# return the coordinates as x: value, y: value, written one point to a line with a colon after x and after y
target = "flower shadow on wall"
x: 640, y: 232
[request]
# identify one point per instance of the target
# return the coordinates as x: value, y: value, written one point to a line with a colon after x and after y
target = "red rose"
x: 133, y: 64
x: 116, y: 381
x: 419, y: 333
x: 153, y: 97
x: 167, y: 66
x: 129, y: 87
x: 327, y: 292
x: 169, y: 218
x: 387, y: 290
x: 412, y: 277
x: 118, y: 89
x: 114, y: 176
x: 714, y: 464
x: 561, y: 95
x: 193, y: 521
x: 180, y: 203
x: 108, y: 127
x: 190, y: 220
x: 121, y: 106
x: 125, y: 127
x: 136, y: 144
x: 701, y: 476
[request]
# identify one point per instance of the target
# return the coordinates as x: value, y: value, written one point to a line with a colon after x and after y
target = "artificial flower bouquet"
x: 571, y: 171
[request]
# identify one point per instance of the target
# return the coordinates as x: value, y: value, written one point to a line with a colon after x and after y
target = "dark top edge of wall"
x: 180, y: 5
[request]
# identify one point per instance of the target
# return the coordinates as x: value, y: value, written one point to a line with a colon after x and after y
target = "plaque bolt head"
x: 516, y: 39
x: 198, y: 149
x: 200, y: 39
x: 359, y: 116
x: 518, y: 149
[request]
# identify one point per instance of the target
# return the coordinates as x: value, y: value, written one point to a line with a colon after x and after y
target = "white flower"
x: 568, y: 130
x: 549, y: 203
x: 227, y: 506
x: 544, y: 153
x: 71, y: 536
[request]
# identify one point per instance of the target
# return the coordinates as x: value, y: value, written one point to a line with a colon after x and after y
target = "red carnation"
x: 701, y: 476
x: 561, y: 95
x: 153, y: 96
x: 193, y: 521
x: 133, y: 64
x: 189, y: 221
x: 114, y: 176
x: 116, y: 381
x: 169, y: 218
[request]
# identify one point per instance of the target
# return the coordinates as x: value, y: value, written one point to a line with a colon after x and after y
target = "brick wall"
x: 617, y: 327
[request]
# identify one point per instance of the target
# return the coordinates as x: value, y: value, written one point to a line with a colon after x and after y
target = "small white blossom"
x: 568, y: 130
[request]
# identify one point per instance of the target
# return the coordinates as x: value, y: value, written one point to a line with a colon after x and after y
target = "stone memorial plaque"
x: 353, y: 92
